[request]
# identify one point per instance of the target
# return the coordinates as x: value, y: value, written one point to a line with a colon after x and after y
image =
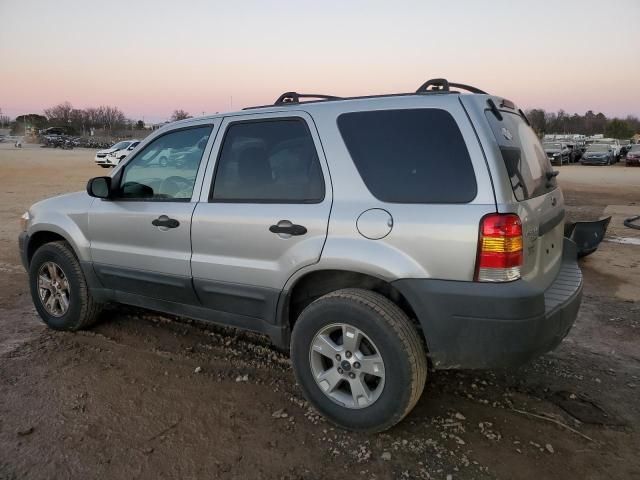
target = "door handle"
x: 164, y: 221
x: 286, y: 227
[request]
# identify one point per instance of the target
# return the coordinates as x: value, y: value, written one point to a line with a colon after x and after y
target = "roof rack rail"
x: 443, y: 85
x: 294, y: 97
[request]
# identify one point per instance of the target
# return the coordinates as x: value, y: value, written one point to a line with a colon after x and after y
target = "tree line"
x: 112, y: 118
x: 590, y: 123
x: 81, y: 120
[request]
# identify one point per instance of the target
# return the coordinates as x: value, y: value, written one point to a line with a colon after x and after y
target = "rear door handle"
x: 288, y: 228
x: 164, y: 221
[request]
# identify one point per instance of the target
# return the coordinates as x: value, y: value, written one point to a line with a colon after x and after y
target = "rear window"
x: 410, y: 156
x: 523, y: 154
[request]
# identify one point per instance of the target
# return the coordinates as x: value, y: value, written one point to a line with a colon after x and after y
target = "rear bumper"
x: 483, y: 325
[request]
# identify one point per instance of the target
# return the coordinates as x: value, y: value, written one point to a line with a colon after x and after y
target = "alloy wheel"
x: 347, y: 366
x: 53, y: 289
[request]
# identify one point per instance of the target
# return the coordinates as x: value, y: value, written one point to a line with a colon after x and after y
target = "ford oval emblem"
x: 507, y: 134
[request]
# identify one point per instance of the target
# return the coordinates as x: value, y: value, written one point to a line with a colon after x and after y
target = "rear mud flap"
x: 587, y: 235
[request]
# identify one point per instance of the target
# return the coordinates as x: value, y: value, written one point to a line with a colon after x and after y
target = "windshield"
x: 598, y: 148
x: 553, y: 146
x: 121, y: 145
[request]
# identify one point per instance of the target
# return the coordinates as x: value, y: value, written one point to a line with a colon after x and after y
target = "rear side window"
x: 523, y: 154
x: 410, y: 156
x: 273, y: 161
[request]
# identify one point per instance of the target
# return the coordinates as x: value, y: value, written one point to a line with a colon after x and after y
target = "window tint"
x: 166, y: 168
x: 410, y: 156
x: 268, y: 161
x: 523, y: 154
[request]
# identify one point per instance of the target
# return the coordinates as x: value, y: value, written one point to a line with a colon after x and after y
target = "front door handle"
x: 164, y: 221
x: 287, y: 228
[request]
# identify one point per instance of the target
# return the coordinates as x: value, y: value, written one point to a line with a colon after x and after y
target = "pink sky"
x: 151, y: 57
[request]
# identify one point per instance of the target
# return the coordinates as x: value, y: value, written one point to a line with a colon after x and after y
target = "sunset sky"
x: 151, y: 57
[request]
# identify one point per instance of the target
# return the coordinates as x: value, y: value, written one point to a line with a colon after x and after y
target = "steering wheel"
x: 170, y: 186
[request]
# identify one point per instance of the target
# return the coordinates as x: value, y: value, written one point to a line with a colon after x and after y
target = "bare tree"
x: 4, y: 119
x: 59, y: 113
x: 179, y: 115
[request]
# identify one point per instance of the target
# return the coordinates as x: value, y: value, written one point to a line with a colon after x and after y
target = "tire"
x: 82, y: 310
x: 387, y: 331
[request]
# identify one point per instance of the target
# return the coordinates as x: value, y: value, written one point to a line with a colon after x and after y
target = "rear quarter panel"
x: 427, y: 240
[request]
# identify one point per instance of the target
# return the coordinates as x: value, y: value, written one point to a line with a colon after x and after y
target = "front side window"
x: 271, y: 161
x: 166, y: 168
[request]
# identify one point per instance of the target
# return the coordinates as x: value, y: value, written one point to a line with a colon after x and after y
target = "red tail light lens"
x: 500, y: 256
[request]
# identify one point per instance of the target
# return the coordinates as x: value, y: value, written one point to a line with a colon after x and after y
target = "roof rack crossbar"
x: 294, y: 97
x: 443, y: 85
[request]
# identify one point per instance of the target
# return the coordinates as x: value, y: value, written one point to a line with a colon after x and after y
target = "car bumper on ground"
x: 23, y: 240
x: 632, y: 162
x: 484, y: 325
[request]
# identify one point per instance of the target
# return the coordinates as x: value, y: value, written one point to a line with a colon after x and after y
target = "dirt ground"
x: 123, y: 400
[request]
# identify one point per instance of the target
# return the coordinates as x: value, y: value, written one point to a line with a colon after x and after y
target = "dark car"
x: 625, y: 148
x: 633, y: 156
x: 575, y: 152
x: 598, y: 154
x: 558, y: 153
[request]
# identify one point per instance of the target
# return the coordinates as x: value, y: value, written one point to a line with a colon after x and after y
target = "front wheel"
x: 358, y: 359
x: 59, y: 290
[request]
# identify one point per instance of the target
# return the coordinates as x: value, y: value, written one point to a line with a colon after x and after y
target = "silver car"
x: 371, y: 236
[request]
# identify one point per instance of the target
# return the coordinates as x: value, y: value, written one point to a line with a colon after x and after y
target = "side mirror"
x: 99, y: 187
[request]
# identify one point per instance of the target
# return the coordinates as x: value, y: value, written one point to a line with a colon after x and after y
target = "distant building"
x: 636, y: 138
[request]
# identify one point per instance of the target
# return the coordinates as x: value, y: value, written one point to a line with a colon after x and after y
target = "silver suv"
x: 370, y: 236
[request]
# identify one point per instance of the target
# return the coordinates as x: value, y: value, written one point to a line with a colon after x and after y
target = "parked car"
x: 558, y: 153
x: 633, y: 156
x: 613, y: 144
x: 598, y: 154
x: 119, y: 155
x: 625, y: 146
x: 439, y: 230
x: 110, y: 157
x: 575, y: 152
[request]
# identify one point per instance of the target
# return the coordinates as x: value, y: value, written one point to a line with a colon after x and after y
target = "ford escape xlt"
x: 367, y: 235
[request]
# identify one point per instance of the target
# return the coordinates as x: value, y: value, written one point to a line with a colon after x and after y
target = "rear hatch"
x: 536, y: 197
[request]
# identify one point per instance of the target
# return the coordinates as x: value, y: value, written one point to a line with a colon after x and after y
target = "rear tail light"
x: 500, y: 255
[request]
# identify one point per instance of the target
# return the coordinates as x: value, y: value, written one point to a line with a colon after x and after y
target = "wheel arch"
x: 316, y: 283
x: 43, y: 236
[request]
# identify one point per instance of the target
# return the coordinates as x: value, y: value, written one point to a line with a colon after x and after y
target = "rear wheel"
x: 358, y: 359
x: 59, y: 289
